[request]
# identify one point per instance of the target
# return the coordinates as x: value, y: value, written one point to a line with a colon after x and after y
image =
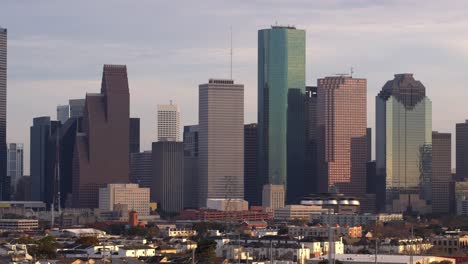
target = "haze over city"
x: 56, y: 51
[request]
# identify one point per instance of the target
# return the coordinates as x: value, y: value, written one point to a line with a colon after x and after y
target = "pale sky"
x: 56, y: 50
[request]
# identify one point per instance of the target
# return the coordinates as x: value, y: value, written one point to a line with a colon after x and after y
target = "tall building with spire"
x: 341, y: 124
x: 281, y: 89
x: 101, y: 154
x: 4, y: 186
x: 403, y: 144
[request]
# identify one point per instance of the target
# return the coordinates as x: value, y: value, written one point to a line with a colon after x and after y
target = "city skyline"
x: 435, y: 41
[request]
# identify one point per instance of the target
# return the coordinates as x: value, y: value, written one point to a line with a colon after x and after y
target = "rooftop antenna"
x: 231, y: 52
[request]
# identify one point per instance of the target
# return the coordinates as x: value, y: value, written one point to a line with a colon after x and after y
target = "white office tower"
x: 168, y: 122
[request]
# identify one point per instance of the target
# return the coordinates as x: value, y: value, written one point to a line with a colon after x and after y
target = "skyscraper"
x: 15, y: 165
x: 221, y: 140
x: 252, y: 183
x: 167, y: 187
x: 168, y: 122
x: 403, y: 143
x: 441, y: 172
x: 342, y: 123
x: 141, y: 168
x: 369, y: 143
x: 40, y: 157
x: 4, y: 188
x: 63, y: 113
x: 311, y: 169
x: 134, y: 135
x: 191, y: 185
x: 76, y: 107
x: 281, y: 87
x: 462, y: 150
x: 102, y: 147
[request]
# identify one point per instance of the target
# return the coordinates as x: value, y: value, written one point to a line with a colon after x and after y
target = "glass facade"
x: 403, y: 143
x: 4, y: 186
x: 281, y: 89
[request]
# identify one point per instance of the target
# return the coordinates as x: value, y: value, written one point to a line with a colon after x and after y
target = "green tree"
x: 206, y: 251
x: 88, y: 241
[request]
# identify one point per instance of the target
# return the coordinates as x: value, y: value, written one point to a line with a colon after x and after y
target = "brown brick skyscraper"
x: 102, y: 146
x: 341, y: 120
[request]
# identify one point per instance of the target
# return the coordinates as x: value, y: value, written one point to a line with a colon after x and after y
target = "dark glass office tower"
x: 4, y: 187
x: 252, y: 183
x: 281, y: 87
x: 462, y: 150
x: 311, y: 179
x: 403, y: 144
x: 134, y: 135
x: 441, y: 172
x: 191, y: 166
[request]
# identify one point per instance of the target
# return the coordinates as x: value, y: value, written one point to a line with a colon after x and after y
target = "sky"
x: 56, y: 51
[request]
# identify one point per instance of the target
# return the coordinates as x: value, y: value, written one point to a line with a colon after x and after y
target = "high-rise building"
x: 129, y: 195
x: 281, y: 87
x: 67, y: 140
x: 134, y: 135
x: 76, y: 107
x: 4, y: 188
x: 462, y: 150
x: 221, y: 140
x: 15, y: 165
x: 342, y: 123
x: 168, y: 180
x: 369, y: 143
x: 403, y: 144
x: 102, y: 151
x: 311, y: 169
x: 191, y: 166
x: 441, y: 172
x: 168, y: 122
x: 63, y: 113
x: 141, y: 168
x: 40, y: 158
x: 273, y: 197
x: 252, y: 183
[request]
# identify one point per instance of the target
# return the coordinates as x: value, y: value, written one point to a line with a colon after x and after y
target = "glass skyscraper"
x: 281, y: 90
x: 4, y: 187
x: 403, y: 144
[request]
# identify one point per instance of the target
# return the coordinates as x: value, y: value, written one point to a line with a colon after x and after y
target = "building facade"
x: 168, y: 180
x: 441, y: 172
x: 15, y: 165
x: 141, y: 168
x: 462, y: 150
x: 168, y: 122
x: 273, y: 197
x: 129, y: 195
x: 63, y: 113
x: 311, y: 168
x: 76, y: 107
x: 403, y: 144
x: 221, y: 140
x: 341, y: 121
x: 252, y: 183
x: 191, y: 186
x: 281, y: 87
x: 134, y: 135
x: 101, y: 154
x: 4, y: 187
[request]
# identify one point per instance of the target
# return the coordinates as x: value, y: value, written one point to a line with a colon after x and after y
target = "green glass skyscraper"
x: 281, y: 89
x: 404, y: 145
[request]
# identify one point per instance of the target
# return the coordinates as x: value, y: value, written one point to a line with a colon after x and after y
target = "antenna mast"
x: 231, y: 53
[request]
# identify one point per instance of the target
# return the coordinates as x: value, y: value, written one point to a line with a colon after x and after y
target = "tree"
x: 88, y: 241
x: 206, y: 251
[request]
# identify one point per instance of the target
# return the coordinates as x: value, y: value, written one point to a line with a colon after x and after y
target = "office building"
x: 221, y: 140
x: 141, y: 168
x: 369, y: 143
x: 134, y: 135
x: 67, y: 139
x: 104, y: 139
x: 462, y: 150
x: 227, y: 204
x: 15, y: 165
x: 403, y: 144
x: 311, y: 169
x: 63, y: 113
x: 40, y: 158
x: 76, y: 107
x: 273, y: 197
x: 296, y: 212
x: 252, y: 183
x: 168, y: 122
x: 341, y: 119
x: 4, y: 188
x: 281, y: 87
x: 127, y: 195
x: 441, y: 172
x: 191, y: 166
x: 168, y: 176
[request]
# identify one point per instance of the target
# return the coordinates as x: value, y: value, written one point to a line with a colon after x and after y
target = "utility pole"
x: 193, y: 256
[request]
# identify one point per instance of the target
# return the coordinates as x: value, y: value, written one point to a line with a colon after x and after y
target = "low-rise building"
x: 19, y: 225
x: 353, y: 219
x: 381, y: 259
x: 297, y: 212
x: 323, y: 231
x: 77, y: 232
x: 178, y: 232
x: 449, y: 244
x: 391, y: 246
x: 125, y: 195
x: 227, y: 204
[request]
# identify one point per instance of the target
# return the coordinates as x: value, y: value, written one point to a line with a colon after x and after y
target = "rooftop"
x: 363, y: 258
